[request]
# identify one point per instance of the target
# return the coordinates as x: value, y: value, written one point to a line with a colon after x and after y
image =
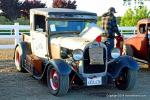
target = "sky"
x: 97, y: 6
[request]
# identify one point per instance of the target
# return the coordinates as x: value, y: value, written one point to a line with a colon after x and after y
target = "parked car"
x: 65, y: 47
x: 139, y: 45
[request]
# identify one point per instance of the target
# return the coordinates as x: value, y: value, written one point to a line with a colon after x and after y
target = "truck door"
x: 39, y: 37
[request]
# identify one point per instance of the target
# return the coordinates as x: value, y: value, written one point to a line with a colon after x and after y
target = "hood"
x: 91, y: 32
x: 70, y: 42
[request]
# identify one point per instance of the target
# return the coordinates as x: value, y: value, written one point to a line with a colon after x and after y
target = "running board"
x: 140, y: 60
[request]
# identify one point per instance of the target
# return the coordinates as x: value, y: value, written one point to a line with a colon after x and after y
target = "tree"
x: 131, y: 17
x: 142, y: 13
x: 27, y: 5
x: 64, y: 4
x: 128, y: 18
x: 10, y: 8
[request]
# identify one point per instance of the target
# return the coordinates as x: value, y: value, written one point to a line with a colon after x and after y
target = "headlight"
x: 115, y: 53
x: 77, y: 54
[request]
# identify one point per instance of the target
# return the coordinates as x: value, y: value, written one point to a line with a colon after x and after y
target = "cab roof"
x: 145, y: 20
x: 51, y: 11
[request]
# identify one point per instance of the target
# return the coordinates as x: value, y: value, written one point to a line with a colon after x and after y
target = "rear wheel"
x: 18, y: 59
x: 57, y: 83
x: 126, y: 79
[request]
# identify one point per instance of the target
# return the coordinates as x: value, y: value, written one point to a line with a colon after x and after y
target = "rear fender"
x: 23, y: 46
x: 116, y: 65
x: 61, y: 66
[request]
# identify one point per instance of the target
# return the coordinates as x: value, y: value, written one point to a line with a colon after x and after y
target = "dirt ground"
x: 22, y: 86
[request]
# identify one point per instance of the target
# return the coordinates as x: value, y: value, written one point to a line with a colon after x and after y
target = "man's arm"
x: 115, y: 27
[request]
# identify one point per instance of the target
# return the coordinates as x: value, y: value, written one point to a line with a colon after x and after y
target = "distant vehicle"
x: 65, y: 47
x: 139, y: 45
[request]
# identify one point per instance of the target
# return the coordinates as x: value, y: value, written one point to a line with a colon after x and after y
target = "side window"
x: 142, y: 28
x: 39, y: 22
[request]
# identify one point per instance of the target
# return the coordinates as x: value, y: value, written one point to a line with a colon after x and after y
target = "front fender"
x: 61, y: 66
x: 116, y: 65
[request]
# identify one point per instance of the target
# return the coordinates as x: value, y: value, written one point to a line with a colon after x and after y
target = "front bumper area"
x: 95, y: 80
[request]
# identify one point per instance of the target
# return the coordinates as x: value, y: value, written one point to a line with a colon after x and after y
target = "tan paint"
x: 142, y: 21
x: 55, y: 51
x: 26, y: 38
x: 71, y: 43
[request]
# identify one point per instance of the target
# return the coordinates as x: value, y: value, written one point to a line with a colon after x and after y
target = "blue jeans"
x: 110, y: 46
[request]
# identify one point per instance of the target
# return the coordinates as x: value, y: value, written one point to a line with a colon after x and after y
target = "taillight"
x: 98, y: 39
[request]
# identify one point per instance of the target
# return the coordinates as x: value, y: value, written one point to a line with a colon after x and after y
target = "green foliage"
x: 142, y: 13
x: 118, y: 20
x: 21, y: 21
x: 128, y: 18
x: 131, y: 17
x: 4, y: 20
x: 99, y: 22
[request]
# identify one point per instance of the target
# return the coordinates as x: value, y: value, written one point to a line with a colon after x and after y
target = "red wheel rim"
x: 54, y: 79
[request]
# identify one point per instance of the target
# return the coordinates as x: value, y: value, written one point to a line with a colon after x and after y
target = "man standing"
x: 110, y: 26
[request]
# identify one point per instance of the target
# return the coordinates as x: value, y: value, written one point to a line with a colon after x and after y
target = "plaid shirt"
x: 109, y: 25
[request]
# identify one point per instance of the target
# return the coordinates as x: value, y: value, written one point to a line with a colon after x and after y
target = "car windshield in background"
x: 67, y: 26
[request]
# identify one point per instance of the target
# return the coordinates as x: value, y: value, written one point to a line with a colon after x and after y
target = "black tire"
x: 18, y: 59
x: 126, y: 79
x: 128, y: 50
x: 61, y: 80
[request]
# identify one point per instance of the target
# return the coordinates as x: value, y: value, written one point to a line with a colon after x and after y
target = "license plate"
x: 94, y: 81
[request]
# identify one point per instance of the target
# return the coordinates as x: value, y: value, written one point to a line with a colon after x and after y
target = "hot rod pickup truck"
x: 65, y: 47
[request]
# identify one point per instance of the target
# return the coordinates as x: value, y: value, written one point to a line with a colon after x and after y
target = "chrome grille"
x: 96, y: 55
x: 95, y: 58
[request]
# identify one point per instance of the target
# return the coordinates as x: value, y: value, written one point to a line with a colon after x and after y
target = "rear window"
x: 142, y: 28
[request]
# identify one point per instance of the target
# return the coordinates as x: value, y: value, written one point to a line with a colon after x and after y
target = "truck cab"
x: 57, y: 22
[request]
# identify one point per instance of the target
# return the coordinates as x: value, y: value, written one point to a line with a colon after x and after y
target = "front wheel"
x: 57, y: 83
x: 126, y: 79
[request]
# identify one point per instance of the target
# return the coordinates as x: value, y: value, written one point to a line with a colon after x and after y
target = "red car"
x: 139, y: 45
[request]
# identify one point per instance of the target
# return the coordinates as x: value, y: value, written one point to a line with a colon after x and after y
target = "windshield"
x: 67, y: 25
